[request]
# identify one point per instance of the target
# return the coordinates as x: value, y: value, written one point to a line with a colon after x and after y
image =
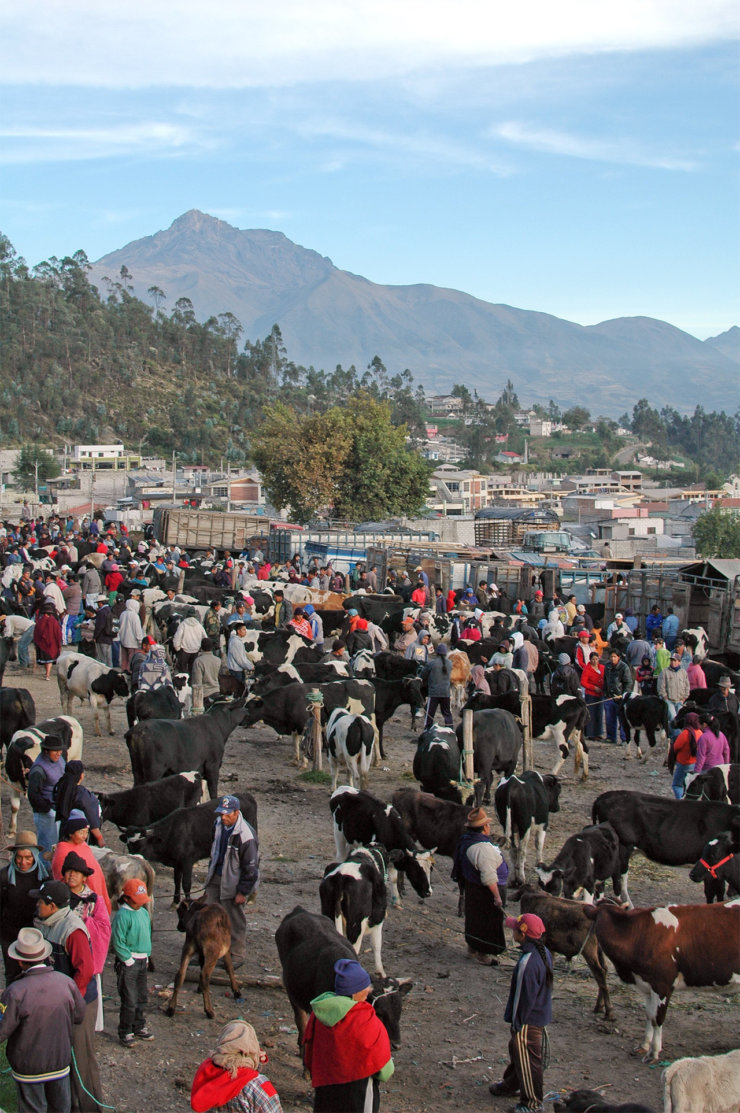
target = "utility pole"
x: 228, y: 488
x: 174, y: 479
x: 92, y: 491
x: 36, y: 484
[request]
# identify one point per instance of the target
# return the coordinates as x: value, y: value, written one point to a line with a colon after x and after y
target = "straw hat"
x: 30, y: 946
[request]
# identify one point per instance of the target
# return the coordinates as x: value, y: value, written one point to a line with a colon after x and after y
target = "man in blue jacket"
x: 528, y: 1011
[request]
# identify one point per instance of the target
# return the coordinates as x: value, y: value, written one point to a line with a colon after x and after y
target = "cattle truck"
x: 196, y: 530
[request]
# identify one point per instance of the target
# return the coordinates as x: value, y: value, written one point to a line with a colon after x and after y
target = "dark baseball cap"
x: 53, y: 892
x: 228, y: 804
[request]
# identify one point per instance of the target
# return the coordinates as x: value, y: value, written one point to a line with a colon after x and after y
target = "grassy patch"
x: 315, y: 777
x: 7, y: 1086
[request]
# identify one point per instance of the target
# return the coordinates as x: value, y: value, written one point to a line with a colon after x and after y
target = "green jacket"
x: 132, y: 932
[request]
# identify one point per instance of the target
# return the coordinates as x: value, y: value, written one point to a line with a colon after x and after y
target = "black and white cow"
x: 497, y: 743
x: 648, y: 713
x: 349, y: 740
x: 721, y: 782
x: 90, y: 682
x: 25, y: 747
x: 697, y: 640
x: 353, y: 894
x: 558, y: 717
x: 437, y: 763
x: 183, y: 838
x: 672, y: 832
x: 152, y: 801
x: 360, y: 819
x: 279, y: 647
x: 308, y: 946
x: 583, y: 860
x: 433, y: 823
x: 523, y: 805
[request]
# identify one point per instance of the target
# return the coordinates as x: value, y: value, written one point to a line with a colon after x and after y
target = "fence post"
x: 467, y: 723
x: 527, y: 754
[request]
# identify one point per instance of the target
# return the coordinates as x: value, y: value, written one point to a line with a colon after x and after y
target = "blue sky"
x: 578, y: 158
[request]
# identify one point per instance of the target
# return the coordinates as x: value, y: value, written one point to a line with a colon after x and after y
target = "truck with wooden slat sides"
x: 198, y: 530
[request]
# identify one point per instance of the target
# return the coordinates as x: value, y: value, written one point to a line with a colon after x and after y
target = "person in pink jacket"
x: 695, y: 673
x: 712, y: 748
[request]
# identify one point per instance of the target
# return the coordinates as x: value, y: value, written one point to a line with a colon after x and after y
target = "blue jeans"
x: 673, y: 709
x: 47, y: 829
x: 680, y: 773
x: 24, y: 643
x: 595, y: 707
x: 611, y: 712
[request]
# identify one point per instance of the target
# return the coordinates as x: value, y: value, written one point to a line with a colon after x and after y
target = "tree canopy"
x: 352, y: 461
x: 717, y: 534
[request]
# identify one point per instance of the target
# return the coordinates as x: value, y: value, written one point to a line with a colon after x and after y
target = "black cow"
x: 156, y: 703
x: 714, y: 670
x: 583, y: 860
x: 353, y: 893
x: 7, y: 653
x: 721, y: 782
x: 437, y: 763
x: 17, y: 711
x: 672, y: 832
x: 386, y: 611
x: 648, y: 713
x: 396, y: 683
x: 558, y: 717
x: 308, y: 946
x: 497, y: 742
x: 182, y: 839
x: 523, y: 804
x: 361, y: 819
x: 147, y: 803
x: 285, y: 706
x: 433, y: 823
x: 160, y: 747
x: 719, y: 865
x: 505, y: 701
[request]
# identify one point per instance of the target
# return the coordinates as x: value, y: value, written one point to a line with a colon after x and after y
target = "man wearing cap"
x: 233, y: 871
x: 480, y: 866
x: 565, y: 681
x: 346, y: 1047
x: 617, y: 686
x: 71, y: 954
x: 618, y: 626
x: 24, y: 872
x: 206, y: 668
x: 528, y: 1011
x: 39, y: 1012
x: 43, y: 777
x: 673, y: 687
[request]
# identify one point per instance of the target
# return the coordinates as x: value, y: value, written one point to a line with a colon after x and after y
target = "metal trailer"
x: 198, y: 530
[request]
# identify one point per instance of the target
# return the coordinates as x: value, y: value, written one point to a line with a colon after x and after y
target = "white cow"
x: 707, y: 1084
x: 349, y: 740
x: 91, y: 682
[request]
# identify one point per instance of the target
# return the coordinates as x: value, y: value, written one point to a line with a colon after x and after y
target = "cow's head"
x: 120, y: 684
x: 551, y: 880
x: 417, y: 866
x: 552, y: 788
x: 186, y: 910
x: 134, y: 839
x: 387, y: 999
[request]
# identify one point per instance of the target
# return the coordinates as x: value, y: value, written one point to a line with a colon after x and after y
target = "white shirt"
x: 15, y: 625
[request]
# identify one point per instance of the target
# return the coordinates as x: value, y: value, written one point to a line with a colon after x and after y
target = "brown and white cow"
x: 660, y: 950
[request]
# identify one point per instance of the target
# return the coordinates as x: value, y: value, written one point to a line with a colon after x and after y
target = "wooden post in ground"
x: 317, y: 740
x: 527, y: 753
x: 467, y: 722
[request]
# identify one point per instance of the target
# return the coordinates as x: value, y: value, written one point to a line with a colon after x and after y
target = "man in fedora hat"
x: 38, y: 1015
x: 71, y: 954
x: 724, y: 699
x: 233, y: 871
x: 25, y: 871
x: 480, y: 867
x: 43, y: 777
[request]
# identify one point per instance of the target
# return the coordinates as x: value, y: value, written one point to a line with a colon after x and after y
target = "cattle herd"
x: 384, y: 847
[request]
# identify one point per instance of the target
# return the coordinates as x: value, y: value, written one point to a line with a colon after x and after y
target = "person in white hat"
x: 38, y: 1013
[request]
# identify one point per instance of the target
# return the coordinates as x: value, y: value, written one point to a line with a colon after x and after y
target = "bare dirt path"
x: 455, y: 1008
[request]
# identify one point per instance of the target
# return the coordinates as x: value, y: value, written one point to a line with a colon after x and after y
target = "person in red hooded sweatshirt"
x: 230, y: 1080
x: 346, y: 1047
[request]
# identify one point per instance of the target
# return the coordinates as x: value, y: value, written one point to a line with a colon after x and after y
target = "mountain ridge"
x: 444, y: 336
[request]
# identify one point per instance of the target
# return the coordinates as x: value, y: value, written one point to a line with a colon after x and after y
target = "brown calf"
x: 569, y: 933
x: 207, y: 934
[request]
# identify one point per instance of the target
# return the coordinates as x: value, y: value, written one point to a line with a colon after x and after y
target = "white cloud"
x: 622, y: 151
x: 246, y: 43
x: 25, y: 144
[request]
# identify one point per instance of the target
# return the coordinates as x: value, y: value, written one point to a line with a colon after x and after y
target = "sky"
x: 577, y: 158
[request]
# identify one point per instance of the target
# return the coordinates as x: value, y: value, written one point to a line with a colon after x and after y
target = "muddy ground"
x: 455, y: 1008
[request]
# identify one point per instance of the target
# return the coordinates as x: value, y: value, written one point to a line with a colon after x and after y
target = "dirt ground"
x: 455, y: 1009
